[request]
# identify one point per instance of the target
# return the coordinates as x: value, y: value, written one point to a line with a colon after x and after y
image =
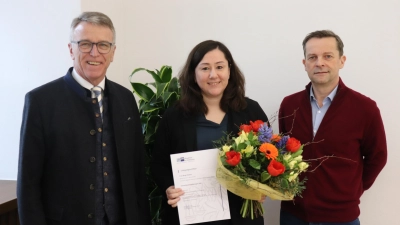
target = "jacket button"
x: 105, y: 189
x: 97, y: 115
x: 91, y: 187
x: 104, y: 144
x: 92, y: 132
x: 99, y: 130
x: 105, y: 173
x: 90, y: 215
x: 94, y: 101
x: 105, y: 159
x: 92, y: 159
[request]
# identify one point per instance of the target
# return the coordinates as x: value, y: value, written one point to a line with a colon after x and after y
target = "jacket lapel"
x: 189, y: 132
x: 115, y: 108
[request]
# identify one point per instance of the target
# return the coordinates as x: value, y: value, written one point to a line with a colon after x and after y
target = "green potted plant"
x: 154, y: 99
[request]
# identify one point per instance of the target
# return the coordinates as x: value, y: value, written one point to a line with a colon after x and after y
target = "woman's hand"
x: 173, y: 195
x: 262, y: 199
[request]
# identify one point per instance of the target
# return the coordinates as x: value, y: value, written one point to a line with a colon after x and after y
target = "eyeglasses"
x: 103, y: 47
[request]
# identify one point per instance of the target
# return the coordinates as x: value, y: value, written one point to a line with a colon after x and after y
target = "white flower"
x: 226, y: 148
x: 292, y: 163
x: 298, y: 158
x: 242, y: 138
x: 303, y: 166
x: 249, y: 149
x: 286, y: 157
x: 292, y: 176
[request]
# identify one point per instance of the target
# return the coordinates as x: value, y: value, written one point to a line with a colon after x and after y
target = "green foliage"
x: 154, y: 99
x: 265, y: 176
x: 255, y: 164
x: 299, y: 152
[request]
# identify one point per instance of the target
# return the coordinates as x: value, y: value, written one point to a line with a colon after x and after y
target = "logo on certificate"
x: 184, y: 159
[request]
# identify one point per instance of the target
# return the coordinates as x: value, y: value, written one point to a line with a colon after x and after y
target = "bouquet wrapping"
x: 250, y: 189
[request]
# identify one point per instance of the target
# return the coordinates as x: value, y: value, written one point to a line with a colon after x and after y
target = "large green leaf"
x: 149, y: 108
x: 160, y: 88
x: 153, y: 74
x: 153, y: 113
x: 141, y: 104
x: 241, y: 146
x: 148, y: 138
x: 144, y: 92
x: 255, y: 164
x: 152, y: 84
x: 136, y: 70
x: 173, y: 85
x: 143, y: 121
x: 294, y: 155
x: 169, y: 98
x: 172, y: 99
x: 151, y: 124
x: 265, y: 176
x: 156, y: 102
x: 284, y: 183
x: 166, y: 74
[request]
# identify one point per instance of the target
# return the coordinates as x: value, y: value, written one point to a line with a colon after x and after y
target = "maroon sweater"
x: 352, y: 128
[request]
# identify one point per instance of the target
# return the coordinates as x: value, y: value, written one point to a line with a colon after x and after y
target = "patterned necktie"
x: 97, y: 93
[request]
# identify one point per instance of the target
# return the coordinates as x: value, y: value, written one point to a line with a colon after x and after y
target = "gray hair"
x: 324, y: 34
x: 96, y: 18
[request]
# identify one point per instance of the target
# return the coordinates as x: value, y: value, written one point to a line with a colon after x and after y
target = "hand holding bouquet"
x: 257, y: 162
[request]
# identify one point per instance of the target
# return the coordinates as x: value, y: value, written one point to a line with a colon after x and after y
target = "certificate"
x: 204, y: 199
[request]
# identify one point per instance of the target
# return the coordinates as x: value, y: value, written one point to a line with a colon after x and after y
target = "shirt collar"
x: 330, y: 96
x: 84, y: 83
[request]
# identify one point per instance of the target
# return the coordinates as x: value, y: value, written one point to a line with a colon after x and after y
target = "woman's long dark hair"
x: 191, y: 100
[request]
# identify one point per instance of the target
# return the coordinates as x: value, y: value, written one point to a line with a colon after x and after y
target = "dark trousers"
x: 288, y: 219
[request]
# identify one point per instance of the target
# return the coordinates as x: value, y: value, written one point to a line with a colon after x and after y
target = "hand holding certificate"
x: 204, y: 199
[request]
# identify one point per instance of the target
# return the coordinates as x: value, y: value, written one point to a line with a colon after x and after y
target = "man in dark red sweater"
x: 339, y: 122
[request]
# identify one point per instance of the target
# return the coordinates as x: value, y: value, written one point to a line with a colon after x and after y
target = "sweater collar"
x: 341, y: 88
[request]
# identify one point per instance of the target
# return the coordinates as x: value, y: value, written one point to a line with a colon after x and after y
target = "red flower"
x: 256, y: 125
x: 246, y: 128
x: 292, y: 145
x: 275, y: 168
x: 232, y: 158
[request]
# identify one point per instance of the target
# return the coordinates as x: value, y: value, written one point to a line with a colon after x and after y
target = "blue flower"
x: 264, y: 133
x: 282, y: 143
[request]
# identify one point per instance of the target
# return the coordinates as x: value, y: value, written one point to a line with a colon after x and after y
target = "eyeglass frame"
x: 93, y: 43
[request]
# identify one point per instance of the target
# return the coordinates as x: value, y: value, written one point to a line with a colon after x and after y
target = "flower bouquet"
x: 259, y: 163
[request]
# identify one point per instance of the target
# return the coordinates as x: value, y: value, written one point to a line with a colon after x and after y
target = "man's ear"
x: 342, y: 61
x: 113, y: 52
x: 71, y: 52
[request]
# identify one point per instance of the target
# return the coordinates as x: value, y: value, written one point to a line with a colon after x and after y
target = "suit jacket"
x: 176, y: 134
x: 58, y: 142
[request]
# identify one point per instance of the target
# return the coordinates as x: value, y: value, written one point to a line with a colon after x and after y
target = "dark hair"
x: 191, y: 100
x: 323, y: 34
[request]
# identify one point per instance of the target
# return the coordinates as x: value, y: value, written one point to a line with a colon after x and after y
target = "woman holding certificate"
x: 212, y: 104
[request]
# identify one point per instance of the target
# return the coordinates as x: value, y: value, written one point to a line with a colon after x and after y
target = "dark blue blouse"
x: 208, y: 131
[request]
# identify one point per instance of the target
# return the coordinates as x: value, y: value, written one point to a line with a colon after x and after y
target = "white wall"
x: 264, y: 37
x: 33, y: 40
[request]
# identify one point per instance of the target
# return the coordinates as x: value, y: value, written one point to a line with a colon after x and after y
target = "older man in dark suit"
x: 81, y: 150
